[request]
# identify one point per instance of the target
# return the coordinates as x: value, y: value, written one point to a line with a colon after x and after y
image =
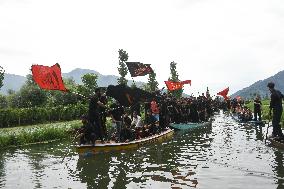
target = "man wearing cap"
x: 276, y: 106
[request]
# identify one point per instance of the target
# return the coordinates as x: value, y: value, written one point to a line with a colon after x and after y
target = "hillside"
x: 260, y: 87
x: 15, y: 82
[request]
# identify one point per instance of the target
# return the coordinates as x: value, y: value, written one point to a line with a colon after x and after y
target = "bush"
x: 27, y: 116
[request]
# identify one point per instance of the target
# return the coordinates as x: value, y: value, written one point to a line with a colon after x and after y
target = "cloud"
x: 215, y: 43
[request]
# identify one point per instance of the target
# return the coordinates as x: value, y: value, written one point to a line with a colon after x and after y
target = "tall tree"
x: 89, y: 84
x: 174, y: 77
x: 30, y: 95
x: 122, y: 69
x: 152, y: 82
x: 2, y: 71
x: 63, y: 98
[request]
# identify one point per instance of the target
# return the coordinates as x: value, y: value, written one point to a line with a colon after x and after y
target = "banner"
x: 48, y: 77
x: 138, y: 69
x: 175, y: 85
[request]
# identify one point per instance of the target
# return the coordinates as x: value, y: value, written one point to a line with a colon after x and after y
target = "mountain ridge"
x: 260, y: 87
x: 15, y: 82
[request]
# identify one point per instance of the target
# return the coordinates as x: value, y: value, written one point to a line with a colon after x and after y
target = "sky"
x: 215, y: 43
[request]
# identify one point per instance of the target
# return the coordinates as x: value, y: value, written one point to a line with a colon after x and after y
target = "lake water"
x: 226, y: 155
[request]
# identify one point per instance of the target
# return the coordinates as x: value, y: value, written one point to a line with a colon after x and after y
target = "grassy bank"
x: 16, y: 136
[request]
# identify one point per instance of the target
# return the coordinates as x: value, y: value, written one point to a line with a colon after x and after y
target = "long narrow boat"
x: 252, y: 122
x: 185, y: 126
x: 89, y: 149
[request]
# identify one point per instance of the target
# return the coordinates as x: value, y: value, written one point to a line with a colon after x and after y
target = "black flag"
x: 138, y: 69
x: 128, y: 96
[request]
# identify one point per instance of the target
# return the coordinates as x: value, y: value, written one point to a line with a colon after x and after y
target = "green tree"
x: 174, y: 77
x: 3, y: 102
x: 122, y: 69
x: 89, y: 84
x: 152, y: 82
x: 2, y: 71
x: 63, y: 98
x: 30, y: 95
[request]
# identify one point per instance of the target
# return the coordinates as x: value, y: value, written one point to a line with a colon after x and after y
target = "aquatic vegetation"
x: 37, y: 133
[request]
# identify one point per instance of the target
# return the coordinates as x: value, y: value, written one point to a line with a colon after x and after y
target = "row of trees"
x: 30, y: 95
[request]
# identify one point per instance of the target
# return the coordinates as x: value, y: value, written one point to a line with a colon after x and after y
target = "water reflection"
x: 226, y: 155
x: 170, y: 164
x: 279, y: 169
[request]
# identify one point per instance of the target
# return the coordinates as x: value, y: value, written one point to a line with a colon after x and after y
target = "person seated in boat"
x: 155, y: 109
x: 136, y: 120
x: 116, y: 114
x: 87, y: 131
x: 126, y: 134
x: 246, y: 114
x: 151, y: 123
x: 257, y: 108
x: 234, y: 105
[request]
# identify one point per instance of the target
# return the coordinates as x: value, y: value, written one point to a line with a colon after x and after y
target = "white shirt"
x: 137, y: 122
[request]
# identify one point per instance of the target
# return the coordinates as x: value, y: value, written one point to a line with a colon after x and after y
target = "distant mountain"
x: 260, y: 87
x: 15, y: 82
x: 103, y: 80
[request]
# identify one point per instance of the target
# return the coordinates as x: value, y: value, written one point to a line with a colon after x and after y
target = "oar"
x: 267, y: 130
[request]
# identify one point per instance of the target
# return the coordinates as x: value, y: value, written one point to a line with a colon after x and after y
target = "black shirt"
x: 257, y: 104
x: 276, y: 99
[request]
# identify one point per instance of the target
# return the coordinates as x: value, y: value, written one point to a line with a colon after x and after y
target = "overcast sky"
x: 215, y: 43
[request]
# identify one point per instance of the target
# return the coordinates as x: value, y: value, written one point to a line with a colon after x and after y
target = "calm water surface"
x: 227, y: 155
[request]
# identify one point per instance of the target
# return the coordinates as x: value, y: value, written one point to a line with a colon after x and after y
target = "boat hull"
x: 186, y: 126
x: 110, y: 147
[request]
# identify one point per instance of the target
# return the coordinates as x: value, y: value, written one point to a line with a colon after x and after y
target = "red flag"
x: 48, y: 77
x: 224, y: 93
x: 175, y: 85
x: 186, y: 82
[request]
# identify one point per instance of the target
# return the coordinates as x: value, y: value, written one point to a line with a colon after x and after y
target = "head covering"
x: 271, y: 85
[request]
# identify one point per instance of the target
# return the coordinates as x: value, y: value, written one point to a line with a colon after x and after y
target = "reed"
x: 17, y: 136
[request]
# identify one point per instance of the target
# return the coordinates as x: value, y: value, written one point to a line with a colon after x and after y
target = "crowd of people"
x: 128, y: 123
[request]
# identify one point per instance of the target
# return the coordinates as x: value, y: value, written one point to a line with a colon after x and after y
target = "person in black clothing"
x: 276, y: 107
x: 257, y: 109
x: 94, y: 113
x: 87, y: 131
x: 150, y: 122
x: 116, y: 113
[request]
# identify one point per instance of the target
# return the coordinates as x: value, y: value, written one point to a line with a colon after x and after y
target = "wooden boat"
x: 99, y: 147
x: 185, y: 126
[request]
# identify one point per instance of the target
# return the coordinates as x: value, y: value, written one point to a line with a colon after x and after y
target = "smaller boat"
x: 251, y: 122
x: 89, y: 149
x: 185, y: 126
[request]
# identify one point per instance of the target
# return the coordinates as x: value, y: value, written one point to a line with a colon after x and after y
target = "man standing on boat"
x: 276, y: 107
x: 257, y: 108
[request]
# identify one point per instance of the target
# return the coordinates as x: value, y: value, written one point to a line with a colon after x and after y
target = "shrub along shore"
x: 17, y: 136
